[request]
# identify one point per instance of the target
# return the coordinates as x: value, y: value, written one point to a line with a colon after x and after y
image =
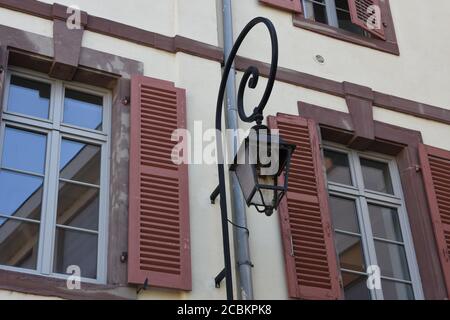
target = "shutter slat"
x: 435, y: 168
x: 361, y: 13
x: 310, y: 257
x: 286, y: 5
x: 159, y: 242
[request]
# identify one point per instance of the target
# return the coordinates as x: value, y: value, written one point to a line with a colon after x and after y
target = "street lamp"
x: 262, y: 169
x: 262, y: 185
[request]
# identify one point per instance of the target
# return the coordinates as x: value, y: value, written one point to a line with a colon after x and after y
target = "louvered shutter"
x: 364, y: 11
x: 288, y: 5
x: 309, y: 251
x: 159, y: 241
x: 436, y: 173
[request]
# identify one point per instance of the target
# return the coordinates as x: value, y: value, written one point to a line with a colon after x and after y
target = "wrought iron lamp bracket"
x: 250, y: 79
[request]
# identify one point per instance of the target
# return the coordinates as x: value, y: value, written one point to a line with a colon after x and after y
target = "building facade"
x: 92, y: 91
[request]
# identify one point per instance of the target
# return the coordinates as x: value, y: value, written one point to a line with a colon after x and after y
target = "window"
x: 370, y: 225
x: 335, y: 13
x: 54, y: 143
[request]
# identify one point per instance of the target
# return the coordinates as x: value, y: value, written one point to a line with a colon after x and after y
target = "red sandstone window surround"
x: 367, y: 23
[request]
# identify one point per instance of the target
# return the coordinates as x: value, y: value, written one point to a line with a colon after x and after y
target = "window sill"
x: 385, y: 46
x: 52, y: 287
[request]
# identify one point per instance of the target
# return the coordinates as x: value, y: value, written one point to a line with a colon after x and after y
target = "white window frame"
x: 56, y: 130
x: 362, y: 197
x: 330, y: 8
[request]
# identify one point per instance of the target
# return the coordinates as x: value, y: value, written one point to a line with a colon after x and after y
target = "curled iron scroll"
x: 251, y: 74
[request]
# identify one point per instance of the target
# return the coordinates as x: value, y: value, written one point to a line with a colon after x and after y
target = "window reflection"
x: 392, y: 260
x: 338, y: 167
x: 24, y: 150
x: 80, y: 162
x: 29, y: 97
x: 83, y: 109
x: 350, y: 252
x: 18, y: 243
x: 76, y: 248
x: 78, y: 206
x: 376, y: 176
x: 20, y: 195
x: 385, y: 223
x: 396, y: 290
x: 344, y: 214
x: 355, y: 286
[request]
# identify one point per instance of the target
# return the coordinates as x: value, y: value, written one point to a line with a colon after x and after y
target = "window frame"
x: 55, y: 131
x: 389, y: 45
x: 363, y: 198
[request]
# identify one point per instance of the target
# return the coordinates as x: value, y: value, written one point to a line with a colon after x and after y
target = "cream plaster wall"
x: 433, y: 133
x: 194, y: 19
x: 421, y: 72
x: 26, y: 22
x: 10, y: 295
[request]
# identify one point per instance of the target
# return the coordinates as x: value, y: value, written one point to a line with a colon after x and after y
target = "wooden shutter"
x: 288, y: 5
x: 159, y: 241
x: 360, y: 13
x: 436, y: 173
x: 309, y: 250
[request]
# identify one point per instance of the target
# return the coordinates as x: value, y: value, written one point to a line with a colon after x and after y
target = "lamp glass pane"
x: 267, y: 194
x: 244, y: 173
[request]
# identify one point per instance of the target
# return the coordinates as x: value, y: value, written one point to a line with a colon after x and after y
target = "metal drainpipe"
x: 241, y: 237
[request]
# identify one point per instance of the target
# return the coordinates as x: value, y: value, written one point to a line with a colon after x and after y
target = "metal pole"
x: 241, y: 236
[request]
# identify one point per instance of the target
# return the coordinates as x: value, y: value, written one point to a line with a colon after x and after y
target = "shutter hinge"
x: 328, y: 229
x: 125, y: 101
x: 144, y: 286
x: 124, y: 257
x: 292, y: 247
x: 444, y: 252
x: 417, y: 168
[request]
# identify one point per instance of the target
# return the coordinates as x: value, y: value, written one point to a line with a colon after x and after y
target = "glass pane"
x: 78, y: 206
x: 350, y: 252
x: 344, y: 20
x: 337, y: 166
x: 342, y: 4
x: 355, y: 286
x: 246, y: 178
x: 75, y: 248
x: 264, y: 196
x: 29, y: 97
x: 385, y: 223
x: 376, y: 176
x: 320, y: 12
x: 24, y: 150
x: 20, y: 195
x: 392, y: 260
x: 19, y: 243
x: 83, y: 109
x: 80, y: 162
x: 344, y: 214
x: 396, y: 290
